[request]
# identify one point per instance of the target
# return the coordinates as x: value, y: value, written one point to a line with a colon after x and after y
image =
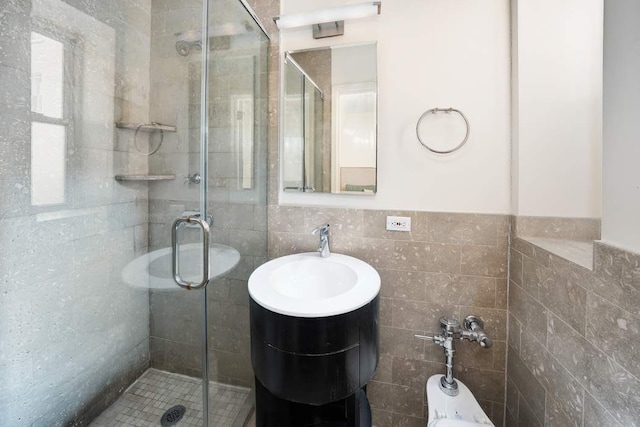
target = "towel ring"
x: 448, y: 111
x: 135, y: 139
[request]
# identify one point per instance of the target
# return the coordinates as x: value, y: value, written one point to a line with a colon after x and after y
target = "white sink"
x: 154, y: 270
x: 307, y: 285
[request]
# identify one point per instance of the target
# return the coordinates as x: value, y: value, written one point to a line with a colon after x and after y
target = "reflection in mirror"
x: 330, y: 120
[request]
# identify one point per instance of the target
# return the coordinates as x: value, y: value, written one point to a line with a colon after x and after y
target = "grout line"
x: 637, y: 378
x: 584, y: 406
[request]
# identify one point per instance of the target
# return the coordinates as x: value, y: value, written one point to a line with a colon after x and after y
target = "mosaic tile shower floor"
x: 144, y: 403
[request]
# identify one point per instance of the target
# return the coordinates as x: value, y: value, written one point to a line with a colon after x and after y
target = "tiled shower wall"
x: 448, y: 265
x: 72, y: 333
x: 573, y: 334
x: 238, y: 67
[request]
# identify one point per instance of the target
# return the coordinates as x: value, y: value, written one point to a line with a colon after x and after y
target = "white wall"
x: 431, y: 53
x: 557, y: 72
x: 354, y: 64
x: 621, y: 142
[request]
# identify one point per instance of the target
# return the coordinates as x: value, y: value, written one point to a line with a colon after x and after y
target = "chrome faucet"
x: 323, y: 230
x: 450, y: 331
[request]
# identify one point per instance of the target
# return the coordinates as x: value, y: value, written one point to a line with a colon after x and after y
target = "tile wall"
x: 573, y: 339
x: 72, y: 334
x: 448, y: 265
x: 557, y: 228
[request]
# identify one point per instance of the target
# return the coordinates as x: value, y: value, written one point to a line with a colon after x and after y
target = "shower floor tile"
x: 146, y: 400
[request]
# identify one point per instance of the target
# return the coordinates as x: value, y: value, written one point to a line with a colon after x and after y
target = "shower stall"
x: 133, y: 192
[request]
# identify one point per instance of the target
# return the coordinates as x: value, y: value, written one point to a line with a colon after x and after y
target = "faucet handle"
x: 322, y: 229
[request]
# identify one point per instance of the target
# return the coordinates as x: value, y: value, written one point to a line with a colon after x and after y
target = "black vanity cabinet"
x: 313, y: 371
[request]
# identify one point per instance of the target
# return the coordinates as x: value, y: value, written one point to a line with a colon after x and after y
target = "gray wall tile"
x: 556, y: 380
x: 514, y: 331
x: 596, y: 415
x: 558, y: 228
x: 614, y: 387
x: 404, y: 284
x: 614, y: 331
x: 586, y: 360
x: 527, y: 417
x: 565, y: 298
x: 382, y: 418
x: 530, y: 389
x: 486, y: 385
x: 512, y: 397
x: 431, y: 257
x: 516, y: 267
x: 418, y: 315
x: 414, y: 373
x: 463, y: 290
x: 396, y: 398
x: 618, y: 272
x: 488, y: 261
x: 529, y: 312
x: 401, y: 343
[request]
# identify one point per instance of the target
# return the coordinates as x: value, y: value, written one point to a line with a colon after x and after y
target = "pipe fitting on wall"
x: 450, y: 331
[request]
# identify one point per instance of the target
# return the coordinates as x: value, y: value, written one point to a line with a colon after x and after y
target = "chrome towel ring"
x: 447, y: 111
x: 135, y: 139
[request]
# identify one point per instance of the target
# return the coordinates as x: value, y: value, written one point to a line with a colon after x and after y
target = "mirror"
x: 329, y: 127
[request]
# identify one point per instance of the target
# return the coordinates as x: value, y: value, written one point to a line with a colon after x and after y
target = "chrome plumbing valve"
x: 450, y: 331
x: 474, y: 331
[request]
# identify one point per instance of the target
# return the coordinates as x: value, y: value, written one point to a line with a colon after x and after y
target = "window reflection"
x: 48, y: 124
x: 47, y: 76
x: 48, y: 147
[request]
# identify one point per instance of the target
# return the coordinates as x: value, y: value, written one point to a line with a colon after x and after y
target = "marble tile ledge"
x: 579, y: 252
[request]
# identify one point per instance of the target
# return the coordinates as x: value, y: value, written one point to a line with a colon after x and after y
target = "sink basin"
x: 154, y: 270
x: 307, y: 285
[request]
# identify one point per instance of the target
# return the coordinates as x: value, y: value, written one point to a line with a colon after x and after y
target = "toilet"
x: 462, y: 410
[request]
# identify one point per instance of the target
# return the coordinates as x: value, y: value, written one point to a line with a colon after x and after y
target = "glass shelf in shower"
x: 146, y: 127
x: 162, y: 177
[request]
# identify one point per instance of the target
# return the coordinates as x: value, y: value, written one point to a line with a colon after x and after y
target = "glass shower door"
x: 220, y: 151
x: 237, y: 196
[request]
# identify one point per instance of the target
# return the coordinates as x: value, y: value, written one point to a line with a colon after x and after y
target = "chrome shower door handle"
x: 175, y: 256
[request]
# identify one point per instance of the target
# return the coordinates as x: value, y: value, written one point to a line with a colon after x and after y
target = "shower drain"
x: 172, y: 416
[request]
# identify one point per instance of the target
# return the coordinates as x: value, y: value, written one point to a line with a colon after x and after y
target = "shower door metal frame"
x: 204, y: 187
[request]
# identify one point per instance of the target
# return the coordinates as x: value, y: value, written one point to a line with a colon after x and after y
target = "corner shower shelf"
x: 165, y: 177
x: 146, y: 127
